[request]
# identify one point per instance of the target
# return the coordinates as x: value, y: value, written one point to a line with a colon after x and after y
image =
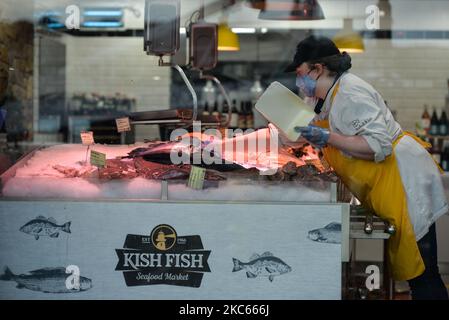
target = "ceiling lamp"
x: 288, y: 9
x: 348, y: 40
x: 227, y: 40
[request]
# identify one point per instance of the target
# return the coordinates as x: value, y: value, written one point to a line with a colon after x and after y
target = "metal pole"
x: 223, y: 92
x: 192, y: 91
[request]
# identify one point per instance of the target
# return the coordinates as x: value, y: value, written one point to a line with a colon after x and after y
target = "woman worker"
x: 387, y: 169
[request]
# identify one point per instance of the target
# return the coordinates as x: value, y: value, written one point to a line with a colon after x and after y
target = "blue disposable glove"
x: 315, y: 135
x: 284, y: 140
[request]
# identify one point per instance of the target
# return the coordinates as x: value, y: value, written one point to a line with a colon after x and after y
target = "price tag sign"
x: 87, y: 138
x: 123, y: 124
x: 196, y: 178
x: 97, y: 159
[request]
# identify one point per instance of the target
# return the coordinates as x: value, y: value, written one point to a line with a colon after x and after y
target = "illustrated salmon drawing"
x: 265, y: 265
x: 41, y: 226
x: 48, y: 280
x: 329, y: 234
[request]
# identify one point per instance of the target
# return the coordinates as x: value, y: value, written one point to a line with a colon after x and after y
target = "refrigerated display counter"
x: 81, y: 237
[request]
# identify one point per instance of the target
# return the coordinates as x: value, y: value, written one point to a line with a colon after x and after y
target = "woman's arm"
x: 363, y: 129
x: 356, y: 146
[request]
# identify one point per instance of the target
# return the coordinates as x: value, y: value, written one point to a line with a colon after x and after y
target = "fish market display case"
x: 245, y: 237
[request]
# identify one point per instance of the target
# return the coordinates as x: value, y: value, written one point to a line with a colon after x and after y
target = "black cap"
x: 312, y: 48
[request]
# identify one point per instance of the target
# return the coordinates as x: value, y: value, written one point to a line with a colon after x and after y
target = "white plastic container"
x: 285, y: 109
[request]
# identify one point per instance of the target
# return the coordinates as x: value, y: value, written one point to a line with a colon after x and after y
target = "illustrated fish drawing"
x: 41, y: 226
x: 265, y: 265
x: 48, y: 280
x: 329, y: 234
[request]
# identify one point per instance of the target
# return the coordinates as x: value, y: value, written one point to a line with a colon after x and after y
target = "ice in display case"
x: 60, y: 172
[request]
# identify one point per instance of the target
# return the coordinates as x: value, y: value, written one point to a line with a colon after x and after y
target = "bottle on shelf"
x: 215, y: 111
x: 435, y: 150
x: 434, y: 123
x: 208, y: 93
x: 431, y: 141
x: 446, y: 107
x: 224, y: 111
x: 444, y: 125
x: 425, y: 120
x: 249, y: 115
x: 234, y: 123
x: 2, y: 121
x: 445, y: 158
x: 206, y: 109
x: 242, y: 116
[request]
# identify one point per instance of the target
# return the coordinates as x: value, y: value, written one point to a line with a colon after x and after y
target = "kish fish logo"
x: 163, y: 237
x: 163, y: 257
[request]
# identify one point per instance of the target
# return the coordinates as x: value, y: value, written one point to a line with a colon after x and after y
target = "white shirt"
x: 358, y: 109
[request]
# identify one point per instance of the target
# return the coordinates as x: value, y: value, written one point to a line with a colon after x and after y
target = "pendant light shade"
x: 227, y: 40
x: 288, y: 9
x: 348, y: 40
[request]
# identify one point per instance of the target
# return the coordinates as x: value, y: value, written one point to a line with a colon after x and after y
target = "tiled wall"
x: 109, y: 65
x: 407, y: 73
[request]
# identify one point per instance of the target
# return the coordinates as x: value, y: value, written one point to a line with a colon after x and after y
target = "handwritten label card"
x: 196, y: 178
x: 123, y: 124
x: 97, y: 159
x: 87, y: 138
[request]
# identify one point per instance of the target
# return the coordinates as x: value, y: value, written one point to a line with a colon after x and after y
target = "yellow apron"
x: 379, y: 187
